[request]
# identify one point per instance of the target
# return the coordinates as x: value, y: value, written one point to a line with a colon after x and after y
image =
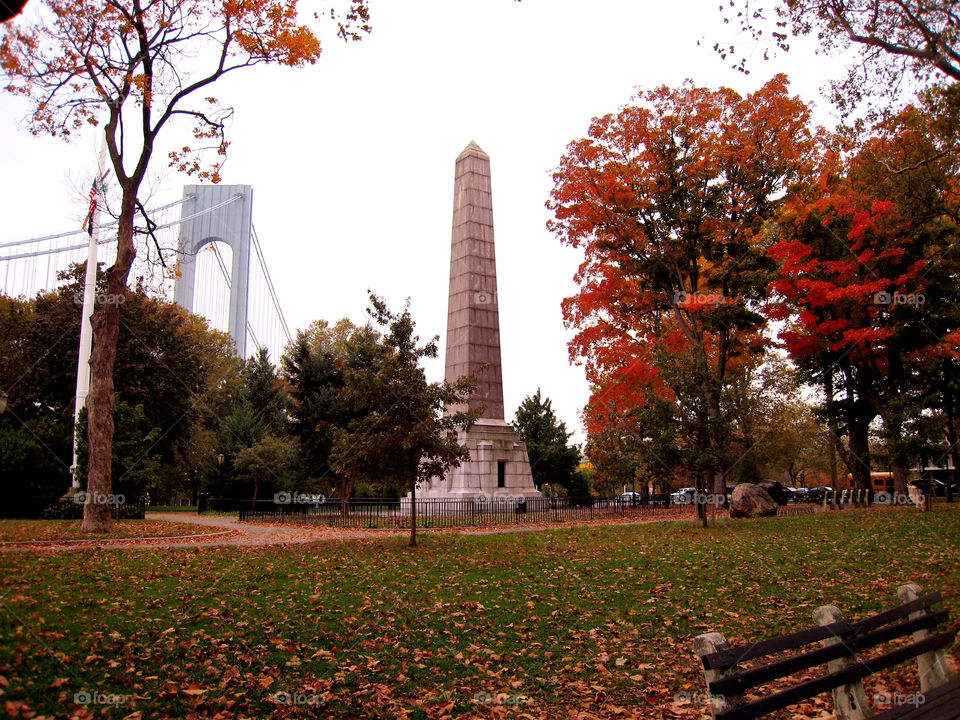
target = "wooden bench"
x: 841, y: 643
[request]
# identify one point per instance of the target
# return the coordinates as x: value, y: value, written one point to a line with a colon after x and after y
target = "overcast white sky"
x: 352, y: 160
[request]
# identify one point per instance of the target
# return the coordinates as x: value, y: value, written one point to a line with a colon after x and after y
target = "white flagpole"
x: 89, y: 298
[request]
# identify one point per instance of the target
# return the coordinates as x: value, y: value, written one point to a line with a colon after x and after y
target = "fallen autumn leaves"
x: 591, y: 622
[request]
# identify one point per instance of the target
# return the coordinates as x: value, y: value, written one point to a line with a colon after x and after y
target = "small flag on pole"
x: 99, y: 185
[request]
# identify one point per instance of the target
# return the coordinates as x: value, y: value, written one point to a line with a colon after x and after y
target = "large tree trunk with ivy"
x: 97, y: 515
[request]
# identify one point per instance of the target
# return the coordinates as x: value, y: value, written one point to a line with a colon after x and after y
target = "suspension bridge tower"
x: 217, y: 213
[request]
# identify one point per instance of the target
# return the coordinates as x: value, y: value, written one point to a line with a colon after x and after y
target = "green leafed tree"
x: 271, y: 460
x: 170, y: 366
x: 314, y: 373
x: 552, y: 459
x: 405, y: 427
x: 326, y: 369
x: 265, y: 391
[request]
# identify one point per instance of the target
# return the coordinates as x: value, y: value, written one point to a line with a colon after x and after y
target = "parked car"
x: 629, y: 498
x: 798, y: 494
x: 937, y: 488
x: 940, y: 489
x: 683, y: 496
x: 817, y: 494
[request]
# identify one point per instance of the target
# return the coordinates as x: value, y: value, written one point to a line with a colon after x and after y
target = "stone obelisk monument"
x: 498, y: 464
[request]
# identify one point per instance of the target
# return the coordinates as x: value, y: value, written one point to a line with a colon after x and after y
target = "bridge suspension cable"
x: 38, y: 264
x: 105, y: 226
x: 226, y: 278
x: 272, y: 290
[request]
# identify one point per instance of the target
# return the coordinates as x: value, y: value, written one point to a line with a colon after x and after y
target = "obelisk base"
x: 498, y: 467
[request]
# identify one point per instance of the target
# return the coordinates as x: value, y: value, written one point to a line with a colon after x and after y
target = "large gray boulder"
x: 751, y: 501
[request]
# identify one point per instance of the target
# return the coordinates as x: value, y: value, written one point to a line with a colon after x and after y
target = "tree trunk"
x: 794, y: 473
x: 858, y: 462
x: 900, y: 480
x: 832, y: 430
x: 719, y: 485
x: 953, y: 477
x: 833, y: 459
x: 719, y: 488
x: 100, y: 401
x: 898, y: 464
x: 858, y: 412
x: 345, y: 491
x: 701, y: 506
x: 413, y: 515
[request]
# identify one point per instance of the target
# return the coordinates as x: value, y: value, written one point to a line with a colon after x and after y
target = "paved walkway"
x: 249, y: 534
x: 243, y: 534
x: 252, y: 534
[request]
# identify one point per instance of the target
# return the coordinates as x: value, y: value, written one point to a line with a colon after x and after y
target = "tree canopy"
x: 668, y: 199
x: 903, y: 44
x: 552, y: 460
x: 868, y: 257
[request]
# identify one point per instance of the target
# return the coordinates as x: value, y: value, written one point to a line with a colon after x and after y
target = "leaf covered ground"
x: 48, y: 530
x: 590, y: 622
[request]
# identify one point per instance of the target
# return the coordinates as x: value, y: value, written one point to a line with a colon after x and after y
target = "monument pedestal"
x: 497, y: 455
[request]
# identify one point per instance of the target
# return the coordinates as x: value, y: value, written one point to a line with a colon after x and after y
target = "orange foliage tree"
x: 134, y: 68
x: 668, y: 198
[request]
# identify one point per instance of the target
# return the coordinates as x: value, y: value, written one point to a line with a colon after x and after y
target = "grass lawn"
x: 595, y: 620
x: 24, y: 530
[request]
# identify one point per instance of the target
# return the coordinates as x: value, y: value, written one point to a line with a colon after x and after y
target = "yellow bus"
x: 879, y: 481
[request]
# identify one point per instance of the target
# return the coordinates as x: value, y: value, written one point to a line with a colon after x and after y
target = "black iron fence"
x: 69, y: 508
x: 390, y: 513
x: 448, y: 513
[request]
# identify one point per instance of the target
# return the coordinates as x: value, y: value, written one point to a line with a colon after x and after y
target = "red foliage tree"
x: 668, y: 199
x: 868, y: 263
